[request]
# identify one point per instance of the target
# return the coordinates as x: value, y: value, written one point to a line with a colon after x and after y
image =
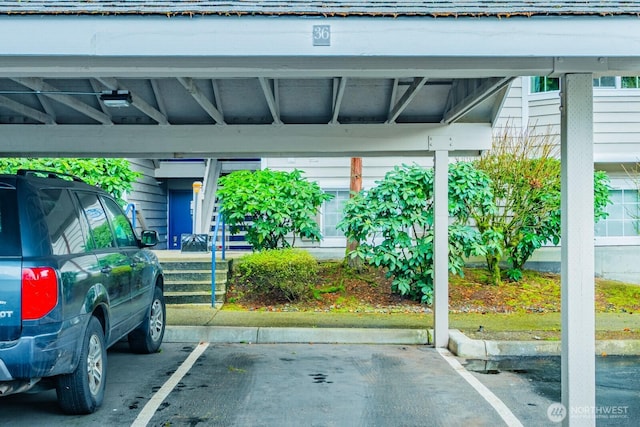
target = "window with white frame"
x: 540, y: 84
x: 624, y: 215
x: 332, y: 213
x: 607, y: 81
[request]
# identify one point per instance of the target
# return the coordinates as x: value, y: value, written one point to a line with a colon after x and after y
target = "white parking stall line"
x: 156, y: 400
x: 502, y: 409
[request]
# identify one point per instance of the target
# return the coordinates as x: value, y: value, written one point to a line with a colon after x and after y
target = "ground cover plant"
x: 528, y: 309
x: 339, y: 288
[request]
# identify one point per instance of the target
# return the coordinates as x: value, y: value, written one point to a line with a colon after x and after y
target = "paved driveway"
x: 303, y: 385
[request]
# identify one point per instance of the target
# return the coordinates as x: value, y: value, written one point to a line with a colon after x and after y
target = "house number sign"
x: 322, y: 35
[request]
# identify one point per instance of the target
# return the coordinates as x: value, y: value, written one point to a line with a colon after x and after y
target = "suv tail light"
x: 39, y: 292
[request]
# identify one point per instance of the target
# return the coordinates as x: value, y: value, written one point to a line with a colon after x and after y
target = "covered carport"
x: 207, y: 79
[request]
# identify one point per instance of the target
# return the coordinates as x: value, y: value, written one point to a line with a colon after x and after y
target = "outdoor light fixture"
x: 116, y: 98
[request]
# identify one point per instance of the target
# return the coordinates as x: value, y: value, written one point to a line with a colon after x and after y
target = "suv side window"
x: 65, y: 230
x: 121, y: 225
x: 9, y: 228
x: 101, y: 234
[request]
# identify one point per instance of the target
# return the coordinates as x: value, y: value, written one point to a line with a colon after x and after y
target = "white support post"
x: 578, y: 307
x: 441, y: 249
x: 209, y: 194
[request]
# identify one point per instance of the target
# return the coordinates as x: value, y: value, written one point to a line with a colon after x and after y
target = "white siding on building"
x: 616, y: 120
x: 512, y: 109
x: 544, y: 112
x: 335, y: 172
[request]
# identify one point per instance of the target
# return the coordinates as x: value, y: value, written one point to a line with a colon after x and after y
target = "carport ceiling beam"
x: 98, y: 87
x: 338, y: 95
x: 38, y: 85
x: 214, y: 141
x: 157, y: 94
x: 216, y: 95
x: 136, y: 101
x: 26, y: 111
x: 406, y: 98
x: 394, y: 93
x: 201, y: 99
x: 467, y: 93
x: 47, y: 107
x: 271, y: 99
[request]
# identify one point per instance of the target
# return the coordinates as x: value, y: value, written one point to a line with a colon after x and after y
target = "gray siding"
x: 150, y: 199
x: 544, y: 113
x: 616, y: 116
x: 512, y: 112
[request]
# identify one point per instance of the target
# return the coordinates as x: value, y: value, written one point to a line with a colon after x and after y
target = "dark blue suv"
x: 74, y: 279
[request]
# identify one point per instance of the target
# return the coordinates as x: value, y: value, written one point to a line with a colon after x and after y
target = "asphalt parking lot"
x: 318, y: 385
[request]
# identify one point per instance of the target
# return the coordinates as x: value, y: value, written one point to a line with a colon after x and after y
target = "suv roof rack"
x: 48, y: 174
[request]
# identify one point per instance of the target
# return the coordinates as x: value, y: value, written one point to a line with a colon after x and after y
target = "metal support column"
x: 578, y: 263
x: 441, y: 249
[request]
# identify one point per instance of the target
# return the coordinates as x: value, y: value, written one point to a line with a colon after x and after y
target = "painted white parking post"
x: 578, y: 307
x: 441, y: 243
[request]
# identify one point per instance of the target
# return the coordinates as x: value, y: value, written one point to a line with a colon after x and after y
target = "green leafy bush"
x: 393, y: 223
x: 272, y: 206
x: 524, y: 172
x: 279, y: 274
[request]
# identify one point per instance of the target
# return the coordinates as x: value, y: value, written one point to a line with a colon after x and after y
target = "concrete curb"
x: 463, y: 346
x: 271, y: 335
x: 459, y: 344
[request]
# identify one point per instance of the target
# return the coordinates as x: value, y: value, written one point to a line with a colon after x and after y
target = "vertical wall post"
x: 441, y: 248
x: 578, y: 262
x: 195, y: 227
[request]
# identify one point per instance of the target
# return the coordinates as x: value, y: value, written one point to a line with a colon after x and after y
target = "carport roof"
x: 239, y: 78
x: 391, y: 8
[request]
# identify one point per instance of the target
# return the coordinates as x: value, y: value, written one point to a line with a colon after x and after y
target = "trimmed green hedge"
x: 282, y: 274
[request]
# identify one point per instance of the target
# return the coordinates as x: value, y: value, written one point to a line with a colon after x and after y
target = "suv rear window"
x: 9, y: 229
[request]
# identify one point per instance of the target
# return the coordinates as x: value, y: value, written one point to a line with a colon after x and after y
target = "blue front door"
x: 180, y: 221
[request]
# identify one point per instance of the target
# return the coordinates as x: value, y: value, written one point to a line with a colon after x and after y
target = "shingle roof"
x: 436, y: 8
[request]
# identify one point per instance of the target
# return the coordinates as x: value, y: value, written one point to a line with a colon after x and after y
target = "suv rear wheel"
x: 147, y: 338
x: 82, y: 391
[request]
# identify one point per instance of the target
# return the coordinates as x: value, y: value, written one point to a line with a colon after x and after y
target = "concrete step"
x: 192, y: 297
x: 188, y: 278
x: 194, y: 285
x: 177, y: 275
x: 193, y: 264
